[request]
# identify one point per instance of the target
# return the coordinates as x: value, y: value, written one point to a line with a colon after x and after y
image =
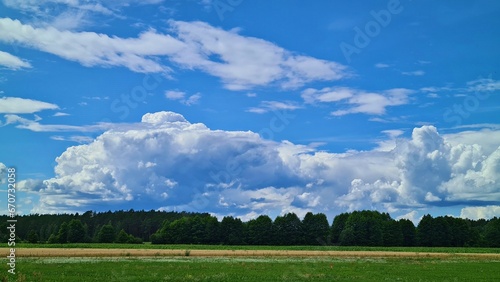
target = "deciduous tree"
x: 106, y: 234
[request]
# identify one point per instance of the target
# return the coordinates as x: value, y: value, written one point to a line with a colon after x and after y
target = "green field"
x: 246, y: 247
x: 253, y: 269
x: 453, y: 267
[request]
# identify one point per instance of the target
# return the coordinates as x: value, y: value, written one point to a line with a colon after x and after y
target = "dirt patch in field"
x: 71, y: 252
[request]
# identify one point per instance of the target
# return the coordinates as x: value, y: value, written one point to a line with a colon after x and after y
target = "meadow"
x: 147, y: 262
x: 263, y: 269
x: 251, y: 247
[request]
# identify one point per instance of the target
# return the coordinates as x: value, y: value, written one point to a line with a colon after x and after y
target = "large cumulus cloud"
x: 166, y: 162
x: 433, y: 172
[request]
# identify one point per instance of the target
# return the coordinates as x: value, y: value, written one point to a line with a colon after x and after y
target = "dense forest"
x: 358, y: 228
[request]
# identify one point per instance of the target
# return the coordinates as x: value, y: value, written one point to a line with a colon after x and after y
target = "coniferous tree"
x: 232, y: 231
x: 425, y: 231
x: 211, y: 230
x: 260, y: 230
x: 441, y: 234
x: 392, y: 235
x: 288, y: 230
x: 338, y: 226
x: 408, y: 231
x: 198, y: 234
x: 364, y: 228
x: 459, y: 231
x: 32, y: 237
x: 62, y: 235
x: 76, y: 231
x: 316, y: 229
x: 492, y: 233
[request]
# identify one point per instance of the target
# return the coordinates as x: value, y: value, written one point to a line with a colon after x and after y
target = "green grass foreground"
x: 452, y: 250
x: 253, y: 269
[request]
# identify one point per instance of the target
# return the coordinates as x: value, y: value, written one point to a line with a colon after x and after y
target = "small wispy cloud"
x: 381, y: 65
x: 327, y: 94
x: 422, y: 62
x: 34, y: 125
x: 12, y: 62
x: 15, y: 105
x: 98, y: 98
x: 182, y: 97
x: 175, y: 95
x: 342, y: 24
x: 193, y: 99
x: 483, y: 85
x: 268, y: 106
x: 357, y: 101
x: 414, y: 73
x: 76, y: 138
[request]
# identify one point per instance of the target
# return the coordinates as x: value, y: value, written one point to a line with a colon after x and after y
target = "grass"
x: 226, y: 247
x: 252, y: 269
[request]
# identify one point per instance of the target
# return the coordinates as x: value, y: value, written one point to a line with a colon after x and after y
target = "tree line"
x: 358, y: 228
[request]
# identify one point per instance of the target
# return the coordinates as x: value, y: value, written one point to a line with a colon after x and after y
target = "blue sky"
x: 252, y: 107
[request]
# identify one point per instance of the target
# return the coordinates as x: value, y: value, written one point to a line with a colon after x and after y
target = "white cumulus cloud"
x: 486, y: 212
x: 166, y: 162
